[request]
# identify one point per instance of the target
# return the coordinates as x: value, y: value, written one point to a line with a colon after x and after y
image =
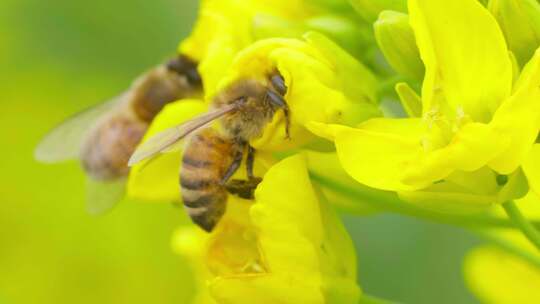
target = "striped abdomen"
x: 175, y: 80
x: 206, y: 159
x: 106, y: 151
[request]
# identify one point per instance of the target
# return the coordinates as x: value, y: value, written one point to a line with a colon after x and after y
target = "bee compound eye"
x: 278, y: 82
x: 276, y: 99
x: 193, y: 76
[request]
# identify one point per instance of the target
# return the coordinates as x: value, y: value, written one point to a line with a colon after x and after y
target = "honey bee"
x: 105, y: 136
x: 211, y: 157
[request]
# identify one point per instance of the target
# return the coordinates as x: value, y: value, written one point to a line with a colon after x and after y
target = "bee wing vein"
x: 64, y: 141
x: 167, y: 138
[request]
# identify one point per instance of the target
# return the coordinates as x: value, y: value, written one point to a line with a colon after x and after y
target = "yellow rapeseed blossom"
x: 224, y: 27
x: 370, y: 9
x: 157, y: 180
x: 395, y: 38
x: 324, y: 84
x: 520, y: 23
x: 287, y: 246
x: 189, y: 242
x: 475, y: 125
x: 496, y: 275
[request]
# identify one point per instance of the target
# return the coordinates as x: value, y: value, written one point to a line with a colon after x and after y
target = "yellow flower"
x: 189, y: 242
x: 324, y: 84
x: 370, y: 9
x: 158, y: 179
x: 324, y: 166
x: 395, y: 38
x: 288, y: 246
x: 475, y: 124
x: 520, y: 23
x: 499, y: 276
x: 224, y: 27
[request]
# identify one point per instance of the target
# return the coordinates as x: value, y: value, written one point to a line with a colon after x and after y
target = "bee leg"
x: 243, y: 188
x: 249, y: 162
x: 287, y: 122
x: 278, y: 101
x: 237, y: 161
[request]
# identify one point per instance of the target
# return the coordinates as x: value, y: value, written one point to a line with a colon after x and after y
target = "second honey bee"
x: 104, y: 137
x: 211, y: 157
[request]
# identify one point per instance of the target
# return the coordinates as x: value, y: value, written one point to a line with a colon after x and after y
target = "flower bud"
x: 370, y: 9
x: 270, y: 250
x: 395, y: 38
x: 350, y: 34
x: 520, y: 23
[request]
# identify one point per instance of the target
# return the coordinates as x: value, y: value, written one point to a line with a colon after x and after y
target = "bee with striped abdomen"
x: 211, y: 157
x: 104, y: 137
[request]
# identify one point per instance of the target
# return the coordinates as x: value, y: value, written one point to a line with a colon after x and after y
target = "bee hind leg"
x: 237, y: 161
x: 243, y: 188
x: 249, y: 162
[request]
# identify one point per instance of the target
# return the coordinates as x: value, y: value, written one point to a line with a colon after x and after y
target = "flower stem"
x: 522, y: 223
x: 390, y: 202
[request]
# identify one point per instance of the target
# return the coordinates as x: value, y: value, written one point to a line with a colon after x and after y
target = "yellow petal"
x: 459, y: 193
x: 157, y: 179
x: 347, y: 68
x: 470, y: 149
x: 520, y: 22
x: 465, y: 55
x: 412, y: 103
x: 389, y: 154
x: 518, y: 118
x: 189, y: 242
x: 378, y: 153
x: 315, y: 89
x: 302, y: 251
x: 370, y: 9
x: 531, y: 168
x: 395, y: 38
x: 327, y: 166
x: 499, y: 277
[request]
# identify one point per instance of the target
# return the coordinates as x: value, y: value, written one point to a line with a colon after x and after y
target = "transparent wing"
x: 166, y: 140
x: 64, y: 141
x: 103, y: 196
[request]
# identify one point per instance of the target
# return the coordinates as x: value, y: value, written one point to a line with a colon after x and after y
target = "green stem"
x: 390, y: 202
x: 367, y: 299
x: 522, y: 223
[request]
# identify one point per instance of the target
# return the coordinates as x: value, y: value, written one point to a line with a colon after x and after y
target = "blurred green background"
x: 60, y: 56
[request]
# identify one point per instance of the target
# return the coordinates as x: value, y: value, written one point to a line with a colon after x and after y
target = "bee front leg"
x: 279, y: 101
